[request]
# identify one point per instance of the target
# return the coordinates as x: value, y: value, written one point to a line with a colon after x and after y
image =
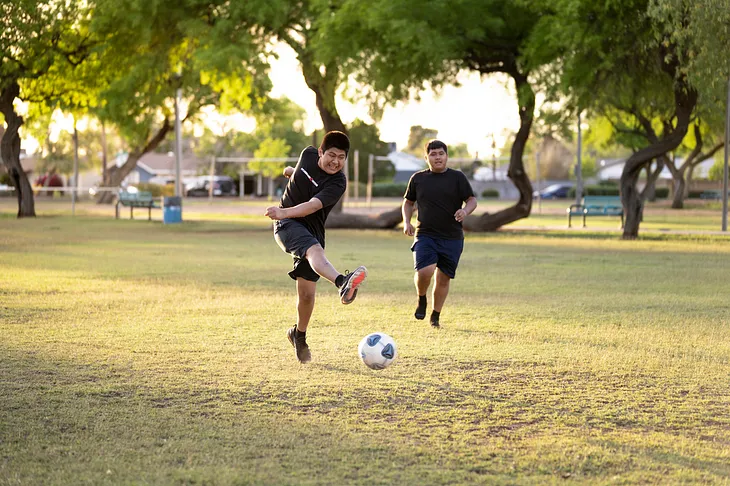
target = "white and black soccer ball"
x: 377, y: 350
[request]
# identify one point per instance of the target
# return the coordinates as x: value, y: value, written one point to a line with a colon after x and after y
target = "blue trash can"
x: 172, y: 209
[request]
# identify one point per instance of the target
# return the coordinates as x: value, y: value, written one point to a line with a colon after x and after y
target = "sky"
x: 471, y: 113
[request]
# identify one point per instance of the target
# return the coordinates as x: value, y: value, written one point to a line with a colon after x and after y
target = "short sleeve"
x: 465, y: 190
x: 332, y: 192
x: 411, y: 188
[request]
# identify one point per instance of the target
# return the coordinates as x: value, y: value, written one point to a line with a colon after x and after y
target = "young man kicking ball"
x: 315, y: 185
x: 444, y: 197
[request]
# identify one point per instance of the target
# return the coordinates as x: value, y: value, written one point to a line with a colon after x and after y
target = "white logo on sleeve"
x: 309, y: 177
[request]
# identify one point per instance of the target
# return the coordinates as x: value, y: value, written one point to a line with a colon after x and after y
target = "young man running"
x: 315, y: 185
x: 440, y: 193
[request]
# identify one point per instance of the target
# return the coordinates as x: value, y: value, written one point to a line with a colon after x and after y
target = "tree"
x: 614, y: 59
x: 366, y: 139
x: 169, y: 48
x: 699, y: 28
x: 282, y: 119
x: 418, y: 137
x: 43, y: 44
x: 397, y: 47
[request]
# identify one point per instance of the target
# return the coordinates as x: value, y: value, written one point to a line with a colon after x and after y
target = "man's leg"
x: 319, y: 263
x: 347, y: 283
x: 305, y: 302
x: 422, y: 279
x: 440, y: 292
x: 305, y: 306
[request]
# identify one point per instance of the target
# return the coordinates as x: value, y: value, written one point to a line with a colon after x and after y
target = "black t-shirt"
x: 309, y: 181
x: 439, y: 195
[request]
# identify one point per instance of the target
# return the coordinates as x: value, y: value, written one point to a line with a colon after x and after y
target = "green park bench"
x: 597, y: 206
x: 133, y: 200
x: 711, y: 195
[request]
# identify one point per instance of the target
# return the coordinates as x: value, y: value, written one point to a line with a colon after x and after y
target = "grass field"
x: 137, y: 353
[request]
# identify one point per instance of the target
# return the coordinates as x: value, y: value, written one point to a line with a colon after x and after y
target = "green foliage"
x: 43, y: 46
x: 6, y: 179
x: 700, y: 28
x: 597, y: 190
x: 389, y: 189
x: 166, y: 48
x: 717, y: 170
x: 270, y: 148
x: 282, y: 119
x: 490, y: 193
x: 418, y: 137
x: 459, y: 151
x: 366, y: 139
x: 588, y: 167
x: 156, y: 190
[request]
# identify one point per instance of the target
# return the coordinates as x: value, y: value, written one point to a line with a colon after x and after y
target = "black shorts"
x: 295, y: 239
x: 444, y: 253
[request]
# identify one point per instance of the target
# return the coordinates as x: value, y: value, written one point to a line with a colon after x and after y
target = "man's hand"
x: 275, y: 212
x: 459, y: 215
x: 408, y: 229
x: 288, y: 172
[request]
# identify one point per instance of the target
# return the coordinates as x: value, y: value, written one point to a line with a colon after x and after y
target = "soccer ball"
x: 377, y: 350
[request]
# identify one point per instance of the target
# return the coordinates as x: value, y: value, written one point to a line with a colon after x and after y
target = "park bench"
x: 133, y: 200
x: 597, y: 206
x: 711, y: 195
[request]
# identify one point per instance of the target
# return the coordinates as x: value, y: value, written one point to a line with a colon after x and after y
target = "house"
x: 611, y: 169
x: 405, y: 165
x: 159, y: 168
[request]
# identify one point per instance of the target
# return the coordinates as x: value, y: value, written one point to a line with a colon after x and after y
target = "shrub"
x: 156, y: 190
x: 486, y: 193
x: 661, y: 192
x: 389, y: 189
x: 598, y: 190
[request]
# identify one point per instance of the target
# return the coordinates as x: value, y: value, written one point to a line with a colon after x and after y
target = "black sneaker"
x: 420, y: 313
x: 435, y: 323
x: 300, y: 345
x: 348, y: 291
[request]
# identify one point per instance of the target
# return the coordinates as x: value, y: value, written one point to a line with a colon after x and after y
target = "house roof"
x: 163, y: 163
x: 158, y: 164
x: 611, y: 169
x: 406, y: 162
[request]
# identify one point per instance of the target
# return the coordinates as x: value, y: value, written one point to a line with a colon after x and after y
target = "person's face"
x: 332, y: 160
x: 437, y: 159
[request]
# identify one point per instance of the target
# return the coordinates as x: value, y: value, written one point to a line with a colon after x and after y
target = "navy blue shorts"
x: 295, y: 239
x: 444, y: 253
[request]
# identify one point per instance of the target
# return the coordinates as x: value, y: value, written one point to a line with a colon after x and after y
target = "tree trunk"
x: 516, y: 172
x: 324, y: 87
x: 387, y: 220
x: 10, y: 151
x: 685, y: 101
x: 678, y: 197
x: 115, y: 175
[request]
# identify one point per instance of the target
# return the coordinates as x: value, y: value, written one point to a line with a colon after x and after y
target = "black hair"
x: 335, y: 139
x: 436, y: 144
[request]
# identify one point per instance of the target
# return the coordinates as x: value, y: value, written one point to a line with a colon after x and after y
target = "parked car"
x: 554, y: 191
x: 200, y: 186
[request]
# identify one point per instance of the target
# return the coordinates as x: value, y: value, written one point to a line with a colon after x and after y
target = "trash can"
x: 172, y: 209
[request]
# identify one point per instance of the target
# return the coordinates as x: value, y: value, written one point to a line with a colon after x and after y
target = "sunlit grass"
x: 135, y: 352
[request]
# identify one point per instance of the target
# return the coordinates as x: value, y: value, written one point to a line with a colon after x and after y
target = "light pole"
x: 537, y: 181
x: 76, y: 170
x: 725, y: 172
x: 178, y: 138
x: 579, y: 166
x: 494, y: 158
